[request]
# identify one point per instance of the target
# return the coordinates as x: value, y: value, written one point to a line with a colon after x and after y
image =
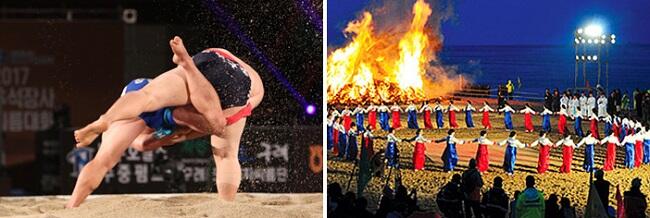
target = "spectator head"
x: 516, y: 194
x: 472, y: 163
x: 599, y: 174
x: 530, y: 182
x: 513, y: 134
x: 362, y: 203
x: 636, y: 183
x: 498, y: 182
x: 483, y: 133
x: 553, y: 198
x: 455, y: 178
x: 334, y: 190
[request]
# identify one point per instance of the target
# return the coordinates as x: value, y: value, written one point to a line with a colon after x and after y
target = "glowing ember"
x: 389, y: 65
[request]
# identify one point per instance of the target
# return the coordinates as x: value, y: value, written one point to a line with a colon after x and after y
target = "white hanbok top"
x: 512, y: 142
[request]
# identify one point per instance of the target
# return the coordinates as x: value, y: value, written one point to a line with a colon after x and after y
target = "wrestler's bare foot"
x: 181, y: 57
x: 89, y: 133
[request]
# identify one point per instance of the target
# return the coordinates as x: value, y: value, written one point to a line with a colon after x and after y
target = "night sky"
x: 516, y: 22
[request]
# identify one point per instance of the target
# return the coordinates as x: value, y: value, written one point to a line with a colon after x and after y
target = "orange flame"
x: 387, y: 66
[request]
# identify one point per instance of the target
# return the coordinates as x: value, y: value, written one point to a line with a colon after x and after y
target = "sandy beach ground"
x: 174, y: 205
x: 428, y: 182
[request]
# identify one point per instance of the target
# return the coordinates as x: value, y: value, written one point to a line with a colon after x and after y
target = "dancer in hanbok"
x: 638, y: 147
x: 452, y: 115
x: 384, y: 117
x: 584, y: 112
x: 610, y: 157
x: 395, y: 114
x: 561, y: 123
x: 507, y: 116
x: 358, y: 115
x: 577, y: 124
x: 412, y: 117
x: 343, y: 139
x: 353, y: 147
x: 330, y: 132
x: 367, y: 142
x: 646, y: 146
x: 616, y: 128
x: 511, y: 152
x: 567, y: 152
x: 468, y: 114
x: 335, y: 135
x: 528, y: 118
x: 449, y: 155
x: 482, y: 155
x: 589, y: 141
x: 347, y: 119
x: 546, y: 119
x: 372, y: 116
x: 608, y: 124
x: 629, y: 142
x: 426, y: 109
x: 593, y: 124
x: 418, y: 151
x: 392, y: 153
x: 439, y: 119
x: 544, y: 152
x: 486, y: 109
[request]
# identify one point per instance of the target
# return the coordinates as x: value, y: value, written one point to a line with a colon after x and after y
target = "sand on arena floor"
x: 167, y: 205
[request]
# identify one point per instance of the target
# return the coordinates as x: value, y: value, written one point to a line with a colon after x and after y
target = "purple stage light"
x: 311, y: 109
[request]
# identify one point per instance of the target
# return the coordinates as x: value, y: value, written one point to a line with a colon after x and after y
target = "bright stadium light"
x: 588, y: 57
x: 583, y: 41
x: 577, y: 41
x: 613, y: 36
x: 589, y: 41
x: 602, y: 41
x: 577, y: 58
x: 580, y: 31
x: 613, y: 41
x: 594, y: 30
x: 595, y: 58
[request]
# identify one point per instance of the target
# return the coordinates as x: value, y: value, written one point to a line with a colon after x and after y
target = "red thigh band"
x: 244, y: 112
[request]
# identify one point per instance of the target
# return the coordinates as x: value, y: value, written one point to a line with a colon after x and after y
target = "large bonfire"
x: 390, y: 65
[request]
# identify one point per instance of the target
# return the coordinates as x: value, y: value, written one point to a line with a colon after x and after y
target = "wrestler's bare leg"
x: 224, y: 152
x: 114, y: 142
x: 202, y: 95
x: 168, y: 89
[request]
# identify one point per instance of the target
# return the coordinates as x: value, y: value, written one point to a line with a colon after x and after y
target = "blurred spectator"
x: 495, y: 200
x: 567, y: 210
x: 635, y: 201
x: 333, y: 196
x: 556, y: 100
x: 602, y: 187
x: 530, y: 202
x: 471, y: 185
x: 513, y: 204
x: 361, y: 205
x: 552, y: 208
x: 450, y: 198
x: 510, y: 88
x: 548, y: 99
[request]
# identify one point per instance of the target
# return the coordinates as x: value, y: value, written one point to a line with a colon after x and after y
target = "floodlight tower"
x: 590, y: 37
